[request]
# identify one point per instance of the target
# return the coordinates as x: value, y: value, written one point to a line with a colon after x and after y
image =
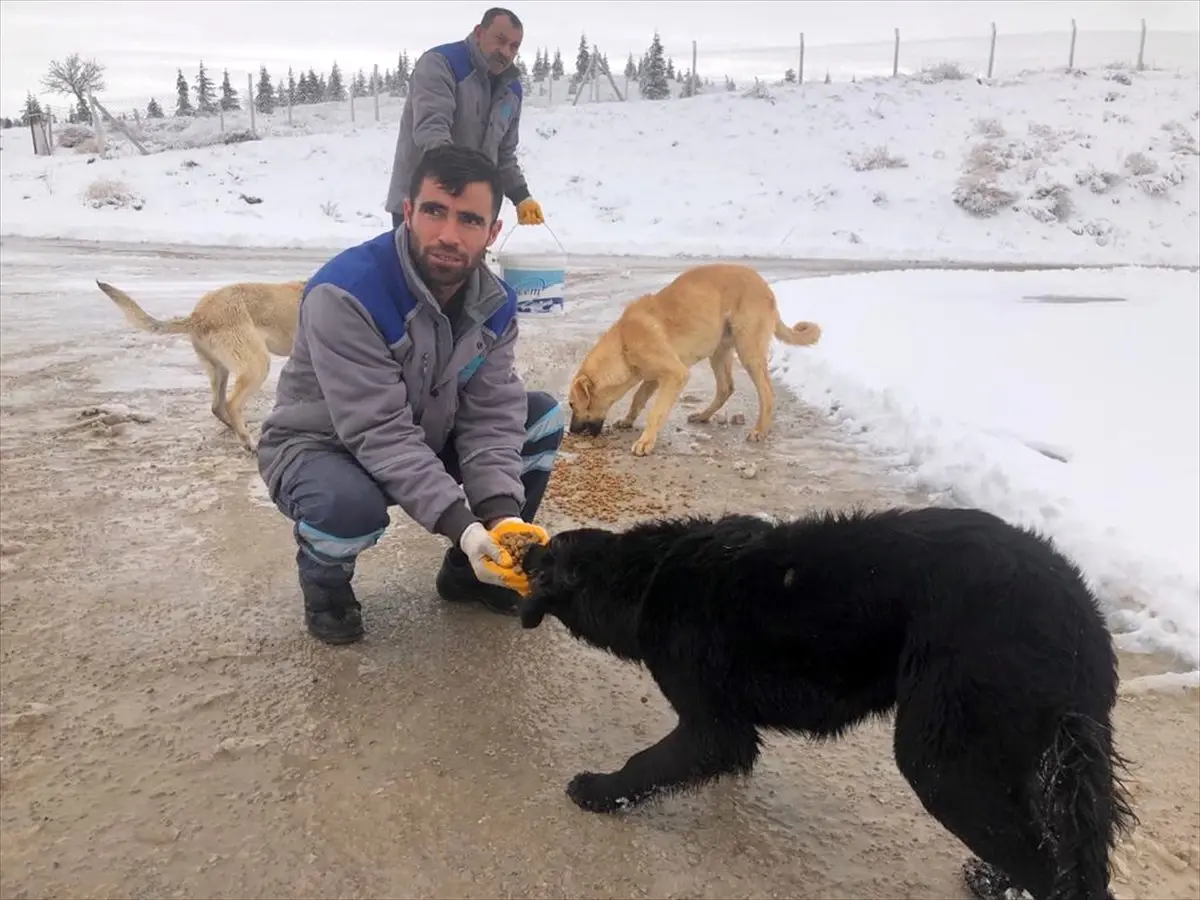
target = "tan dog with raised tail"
x: 234, y: 329
x: 710, y: 311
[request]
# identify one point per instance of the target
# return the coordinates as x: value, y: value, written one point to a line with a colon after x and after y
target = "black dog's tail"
x: 1084, y: 806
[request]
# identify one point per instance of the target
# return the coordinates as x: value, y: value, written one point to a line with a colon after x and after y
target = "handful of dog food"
x: 514, y: 538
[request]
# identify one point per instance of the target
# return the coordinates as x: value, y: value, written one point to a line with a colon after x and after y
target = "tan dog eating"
x: 710, y: 311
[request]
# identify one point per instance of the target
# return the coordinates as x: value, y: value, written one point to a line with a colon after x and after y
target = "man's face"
x: 499, y: 42
x: 449, y: 235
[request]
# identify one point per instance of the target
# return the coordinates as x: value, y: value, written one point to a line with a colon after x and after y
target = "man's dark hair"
x: 454, y: 167
x: 490, y: 16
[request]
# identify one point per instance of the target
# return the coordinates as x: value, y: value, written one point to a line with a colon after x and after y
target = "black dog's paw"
x: 985, y: 881
x: 594, y: 792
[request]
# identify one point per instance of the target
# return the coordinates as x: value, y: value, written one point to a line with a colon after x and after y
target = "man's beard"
x: 443, y: 272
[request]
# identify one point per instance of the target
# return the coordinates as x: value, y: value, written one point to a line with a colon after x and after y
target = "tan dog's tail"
x: 799, y: 335
x: 139, y: 318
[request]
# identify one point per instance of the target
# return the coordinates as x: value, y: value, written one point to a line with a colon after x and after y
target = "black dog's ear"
x: 533, y: 607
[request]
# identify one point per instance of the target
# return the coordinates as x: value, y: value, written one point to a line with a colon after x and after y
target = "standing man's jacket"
x: 453, y: 99
x: 375, y: 370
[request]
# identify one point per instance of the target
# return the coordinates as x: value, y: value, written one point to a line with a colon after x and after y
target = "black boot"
x: 456, y: 583
x: 332, y: 614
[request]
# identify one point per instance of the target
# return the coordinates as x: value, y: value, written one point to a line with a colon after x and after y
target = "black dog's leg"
x: 992, y: 816
x: 686, y: 757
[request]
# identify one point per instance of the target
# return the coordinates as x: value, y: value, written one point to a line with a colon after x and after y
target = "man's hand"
x: 529, y: 212
x: 495, y: 564
x: 479, y: 546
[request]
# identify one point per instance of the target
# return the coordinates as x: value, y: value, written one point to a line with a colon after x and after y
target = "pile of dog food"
x: 586, y: 487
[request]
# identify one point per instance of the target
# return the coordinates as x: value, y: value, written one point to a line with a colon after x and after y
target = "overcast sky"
x: 142, y: 42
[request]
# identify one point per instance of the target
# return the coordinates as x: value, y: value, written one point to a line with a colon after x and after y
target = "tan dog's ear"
x: 583, y: 387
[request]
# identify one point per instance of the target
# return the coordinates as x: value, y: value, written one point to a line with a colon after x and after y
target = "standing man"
x: 467, y: 93
x: 401, y: 389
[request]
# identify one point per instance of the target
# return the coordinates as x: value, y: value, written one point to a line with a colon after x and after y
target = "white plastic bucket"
x: 540, y: 280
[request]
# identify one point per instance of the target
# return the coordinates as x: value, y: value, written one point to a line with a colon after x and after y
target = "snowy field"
x: 1069, y: 401
x: 1092, y: 167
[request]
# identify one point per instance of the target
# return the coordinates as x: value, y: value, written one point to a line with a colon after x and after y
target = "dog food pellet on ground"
x: 585, y: 487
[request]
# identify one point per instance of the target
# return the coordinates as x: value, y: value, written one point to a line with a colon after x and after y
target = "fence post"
x: 896, y: 55
x: 695, y: 77
x: 250, y: 98
x: 97, y: 124
x: 1071, y: 58
x: 800, y: 71
x: 1141, y: 64
x: 289, y: 96
x: 351, y: 104
x: 375, y: 90
x: 992, y: 52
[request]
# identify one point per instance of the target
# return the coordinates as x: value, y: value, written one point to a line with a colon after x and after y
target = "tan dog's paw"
x: 755, y: 436
x: 623, y: 424
x: 643, y: 445
x: 697, y: 418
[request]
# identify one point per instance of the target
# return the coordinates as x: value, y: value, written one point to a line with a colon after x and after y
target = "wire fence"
x: 247, y: 106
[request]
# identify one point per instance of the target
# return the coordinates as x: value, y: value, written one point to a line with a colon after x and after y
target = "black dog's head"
x: 575, y: 578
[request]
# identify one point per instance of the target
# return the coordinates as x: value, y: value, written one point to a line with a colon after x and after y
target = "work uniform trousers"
x: 338, y: 510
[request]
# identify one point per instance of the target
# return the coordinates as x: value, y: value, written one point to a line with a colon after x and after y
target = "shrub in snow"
x: 981, y: 196
x: 942, y: 71
x: 1050, y: 203
x: 1101, y: 230
x: 111, y: 192
x: 71, y: 136
x: 1159, y: 183
x: 988, y: 158
x: 1097, y: 181
x: 758, y: 91
x: 1139, y: 163
x: 991, y: 128
x: 877, y: 158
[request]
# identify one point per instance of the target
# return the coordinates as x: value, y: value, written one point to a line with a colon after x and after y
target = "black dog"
x: 983, y: 639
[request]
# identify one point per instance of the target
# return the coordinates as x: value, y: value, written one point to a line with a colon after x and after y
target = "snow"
x: 1075, y: 167
x: 971, y: 378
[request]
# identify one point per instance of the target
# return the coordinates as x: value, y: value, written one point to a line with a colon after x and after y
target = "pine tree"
x: 153, y: 110
x: 538, y: 64
x: 654, y: 83
x: 583, y: 59
x: 358, y: 87
x: 264, y: 95
x: 183, y: 102
x: 205, y: 100
x: 670, y: 69
x: 730, y: 84
x: 522, y: 69
x: 337, y: 90
x: 33, y: 110
x: 404, y: 73
x: 631, y: 68
x: 322, y: 88
x: 789, y: 77
x: 229, y: 97
x: 293, y: 90
x: 556, y: 69
x: 302, y: 91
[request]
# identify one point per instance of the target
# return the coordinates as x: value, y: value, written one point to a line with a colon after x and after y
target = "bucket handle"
x: 544, y: 225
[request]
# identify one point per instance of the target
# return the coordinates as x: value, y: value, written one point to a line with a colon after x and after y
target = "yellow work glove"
x: 529, y: 212
x: 504, y: 567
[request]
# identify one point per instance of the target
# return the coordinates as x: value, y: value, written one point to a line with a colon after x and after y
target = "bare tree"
x: 75, y: 77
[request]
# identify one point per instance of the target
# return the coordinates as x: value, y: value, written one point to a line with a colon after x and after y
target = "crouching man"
x: 401, y: 390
